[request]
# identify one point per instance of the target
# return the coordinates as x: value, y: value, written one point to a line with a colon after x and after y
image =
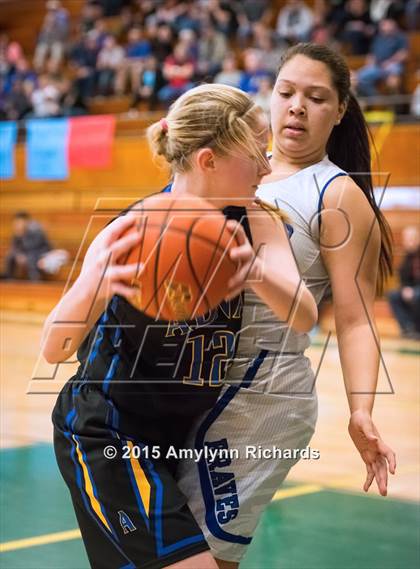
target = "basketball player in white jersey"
x: 321, y: 178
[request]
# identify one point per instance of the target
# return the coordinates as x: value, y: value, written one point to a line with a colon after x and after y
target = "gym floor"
x: 320, y: 519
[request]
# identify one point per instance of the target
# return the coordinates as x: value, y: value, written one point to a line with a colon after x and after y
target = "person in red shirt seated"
x: 178, y: 71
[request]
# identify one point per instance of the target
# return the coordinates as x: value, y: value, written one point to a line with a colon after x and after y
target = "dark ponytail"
x: 348, y: 145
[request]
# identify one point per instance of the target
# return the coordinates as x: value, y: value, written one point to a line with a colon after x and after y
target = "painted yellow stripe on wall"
x: 89, y: 488
x: 39, y: 540
x: 141, y: 480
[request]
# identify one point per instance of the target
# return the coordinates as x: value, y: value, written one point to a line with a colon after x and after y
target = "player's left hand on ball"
x: 378, y: 457
x: 249, y: 264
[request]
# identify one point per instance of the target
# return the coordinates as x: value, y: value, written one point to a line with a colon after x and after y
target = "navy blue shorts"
x: 130, y: 510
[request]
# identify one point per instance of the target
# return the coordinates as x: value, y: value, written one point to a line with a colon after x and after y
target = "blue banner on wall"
x: 47, y: 149
x: 8, y: 134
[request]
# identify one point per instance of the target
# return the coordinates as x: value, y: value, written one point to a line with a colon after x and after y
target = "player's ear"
x: 205, y: 159
x: 342, y: 108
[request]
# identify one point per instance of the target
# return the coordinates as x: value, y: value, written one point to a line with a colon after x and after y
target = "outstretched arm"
x: 350, y: 246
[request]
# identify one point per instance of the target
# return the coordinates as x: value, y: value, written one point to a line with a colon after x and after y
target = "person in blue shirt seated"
x: 389, y: 51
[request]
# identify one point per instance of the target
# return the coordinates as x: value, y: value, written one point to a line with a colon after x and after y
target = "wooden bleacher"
x: 71, y: 210
x: 66, y: 208
x: 22, y: 19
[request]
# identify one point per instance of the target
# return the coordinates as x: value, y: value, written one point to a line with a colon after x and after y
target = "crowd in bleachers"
x: 154, y: 50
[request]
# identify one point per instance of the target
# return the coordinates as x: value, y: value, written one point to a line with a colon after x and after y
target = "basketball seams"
x: 191, y: 266
x: 216, y: 246
x: 163, y: 230
x: 202, y: 253
x: 196, y: 236
x: 142, y: 239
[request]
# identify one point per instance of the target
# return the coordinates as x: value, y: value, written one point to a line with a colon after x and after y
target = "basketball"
x: 185, y: 252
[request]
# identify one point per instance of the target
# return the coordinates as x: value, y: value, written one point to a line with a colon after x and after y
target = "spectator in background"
x: 151, y: 81
x: 230, y: 73
x: 405, y: 301
x: 295, y: 21
x: 256, y: 11
x: 223, y: 16
x: 73, y: 104
x: 254, y: 70
x: 3, y: 103
x: 45, y: 99
x: 321, y: 34
x: 167, y: 12
x: 412, y: 15
x: 83, y: 60
x: 5, y: 65
x: 91, y: 11
x: 53, y: 36
x: 110, y: 57
x: 126, y: 21
x: 268, y: 46
x: 188, y: 38
x: 18, y: 103
x: 29, y: 244
x: 249, y: 13
x: 332, y: 13
x: 386, y: 60
x: 145, y: 11
x: 21, y: 72
x: 162, y: 43
x: 381, y: 9
x: 14, y: 52
x: 178, y: 71
x: 138, y: 48
x: 356, y: 29
x: 111, y: 7
x: 101, y: 29
x: 212, y: 48
x: 263, y: 96
x: 187, y: 18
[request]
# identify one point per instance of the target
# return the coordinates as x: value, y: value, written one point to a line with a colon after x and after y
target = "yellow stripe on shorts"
x: 141, y: 480
x: 89, y: 487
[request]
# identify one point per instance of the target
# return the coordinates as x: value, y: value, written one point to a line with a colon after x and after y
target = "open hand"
x: 378, y: 457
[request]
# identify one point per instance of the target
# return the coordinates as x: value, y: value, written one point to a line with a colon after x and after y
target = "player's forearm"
x: 358, y: 344
x: 69, y: 322
x: 291, y: 301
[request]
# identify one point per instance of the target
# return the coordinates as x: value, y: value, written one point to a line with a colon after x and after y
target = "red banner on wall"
x: 90, y: 141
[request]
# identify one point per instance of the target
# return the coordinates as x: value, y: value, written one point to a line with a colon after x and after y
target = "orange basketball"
x: 185, y: 251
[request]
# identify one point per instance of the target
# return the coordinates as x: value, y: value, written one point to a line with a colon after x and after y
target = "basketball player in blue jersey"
x: 133, y: 400
x: 321, y: 178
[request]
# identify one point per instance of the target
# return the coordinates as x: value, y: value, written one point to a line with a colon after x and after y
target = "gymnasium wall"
x: 65, y: 207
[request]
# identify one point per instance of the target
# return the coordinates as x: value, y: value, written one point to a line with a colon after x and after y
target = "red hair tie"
x: 164, y: 125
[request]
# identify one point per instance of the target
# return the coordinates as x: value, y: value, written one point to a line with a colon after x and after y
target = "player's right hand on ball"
x: 102, y: 269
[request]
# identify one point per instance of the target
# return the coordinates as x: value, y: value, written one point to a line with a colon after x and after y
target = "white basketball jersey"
x: 300, y: 196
